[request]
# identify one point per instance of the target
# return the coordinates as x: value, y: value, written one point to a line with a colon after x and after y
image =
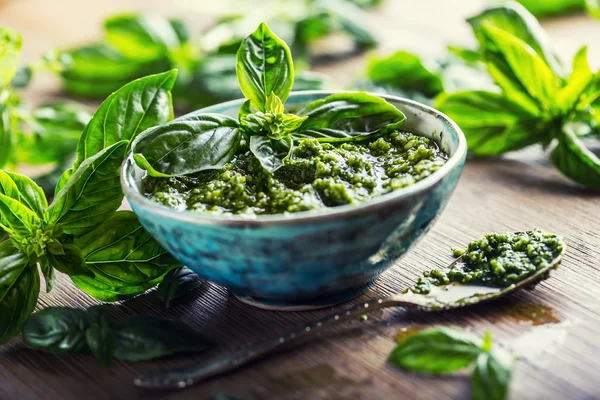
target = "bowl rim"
x: 133, y: 195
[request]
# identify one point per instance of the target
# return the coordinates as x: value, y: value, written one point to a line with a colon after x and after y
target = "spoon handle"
x: 189, y: 375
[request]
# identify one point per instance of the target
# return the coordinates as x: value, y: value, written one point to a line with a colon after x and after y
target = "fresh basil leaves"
x: 106, y: 253
x: 198, y: 142
x: 442, y: 351
x: 137, y: 338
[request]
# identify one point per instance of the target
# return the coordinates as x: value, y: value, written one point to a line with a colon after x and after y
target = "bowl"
x: 314, y: 258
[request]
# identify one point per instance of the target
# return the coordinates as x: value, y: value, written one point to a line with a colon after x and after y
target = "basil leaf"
x: 49, y: 274
x: 6, y: 131
x: 574, y: 160
x: 71, y: 262
x: 271, y: 152
x: 245, y: 109
x: 10, y: 55
x: 531, y: 70
x: 516, y: 20
x: 274, y: 126
x: 406, y: 71
x: 491, y: 377
x: 99, y: 336
x: 143, y: 337
x: 593, y: 7
x: 19, y: 289
x: 16, y: 218
x: 580, y: 78
x: 177, y: 283
x: 124, y: 257
x: 192, y: 143
x: 24, y: 190
x: 436, y: 351
x: 348, y: 116
x: 56, y: 329
x: 492, y: 123
x: 552, y: 7
x: 264, y: 66
x: 92, y: 193
x: 135, y: 107
x: 141, y: 37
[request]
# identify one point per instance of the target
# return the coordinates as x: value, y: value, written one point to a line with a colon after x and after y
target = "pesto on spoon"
x: 490, y: 267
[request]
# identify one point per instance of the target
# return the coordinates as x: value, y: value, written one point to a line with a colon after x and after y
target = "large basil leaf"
x: 271, y: 152
x: 10, y: 55
x: 141, y: 37
x: 516, y: 20
x: 580, y: 78
x: 346, y: 116
x: 436, y: 351
x: 124, y: 257
x: 92, y: 193
x: 99, y: 335
x: 19, y: 289
x: 405, y: 70
x: 492, y: 123
x: 6, y: 130
x: 192, y: 143
x: 574, y: 160
x: 531, y: 70
x: 56, y: 329
x: 70, y: 261
x: 144, y: 337
x: 24, y: 190
x: 177, y: 283
x: 137, y: 106
x: 264, y: 66
x: 16, y: 218
x: 491, y: 377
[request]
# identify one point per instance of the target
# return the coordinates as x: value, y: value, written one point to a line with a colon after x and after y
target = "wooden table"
x: 519, y: 192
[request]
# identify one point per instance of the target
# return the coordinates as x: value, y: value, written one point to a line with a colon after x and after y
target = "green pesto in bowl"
x: 316, y: 175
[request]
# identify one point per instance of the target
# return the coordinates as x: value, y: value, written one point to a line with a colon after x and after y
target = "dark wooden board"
x: 514, y: 193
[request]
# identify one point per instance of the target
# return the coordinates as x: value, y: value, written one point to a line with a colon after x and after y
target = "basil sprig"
x: 137, y: 338
x: 198, y: 142
x: 106, y: 253
x: 442, y: 351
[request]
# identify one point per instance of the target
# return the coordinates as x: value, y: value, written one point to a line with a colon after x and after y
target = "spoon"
x: 446, y: 297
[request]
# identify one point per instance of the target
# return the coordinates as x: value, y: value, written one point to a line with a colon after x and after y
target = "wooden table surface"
x: 554, y: 328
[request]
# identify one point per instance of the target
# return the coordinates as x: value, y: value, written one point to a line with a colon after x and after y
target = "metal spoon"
x: 440, y: 298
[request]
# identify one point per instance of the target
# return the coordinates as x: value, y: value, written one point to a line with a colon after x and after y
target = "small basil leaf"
x: 580, y: 78
x: 92, y: 193
x: 264, y: 66
x: 516, y: 20
x: 273, y: 104
x: 177, y: 283
x: 71, y: 262
x: 406, y: 71
x: 135, y: 107
x: 56, y: 329
x: 141, y: 37
x: 574, y: 160
x: 348, y: 115
x: 274, y: 126
x: 271, y: 152
x: 492, y: 123
x: 532, y: 71
x: 436, y: 351
x: 124, y: 257
x: 19, y: 290
x: 6, y: 133
x: 23, y: 189
x: 144, y: 337
x: 10, y: 55
x: 16, y: 218
x: 491, y: 377
x: 245, y: 109
x: 49, y: 274
x: 100, y: 337
x: 192, y: 143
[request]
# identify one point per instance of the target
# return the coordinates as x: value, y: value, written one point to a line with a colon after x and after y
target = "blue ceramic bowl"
x: 308, y: 259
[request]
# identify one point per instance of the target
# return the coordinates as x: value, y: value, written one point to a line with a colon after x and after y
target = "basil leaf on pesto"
x: 575, y: 160
x: 264, y: 66
x: 271, y: 152
x: 192, y: 143
x: 347, y: 117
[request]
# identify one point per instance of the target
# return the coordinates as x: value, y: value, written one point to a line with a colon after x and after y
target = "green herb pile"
x: 521, y: 93
x: 444, y: 351
x: 198, y: 141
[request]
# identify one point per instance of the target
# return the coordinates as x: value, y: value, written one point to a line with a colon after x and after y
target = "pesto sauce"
x: 497, y: 260
x: 316, y: 175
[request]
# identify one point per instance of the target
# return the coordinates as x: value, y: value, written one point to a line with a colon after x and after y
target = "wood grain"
x: 518, y: 192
